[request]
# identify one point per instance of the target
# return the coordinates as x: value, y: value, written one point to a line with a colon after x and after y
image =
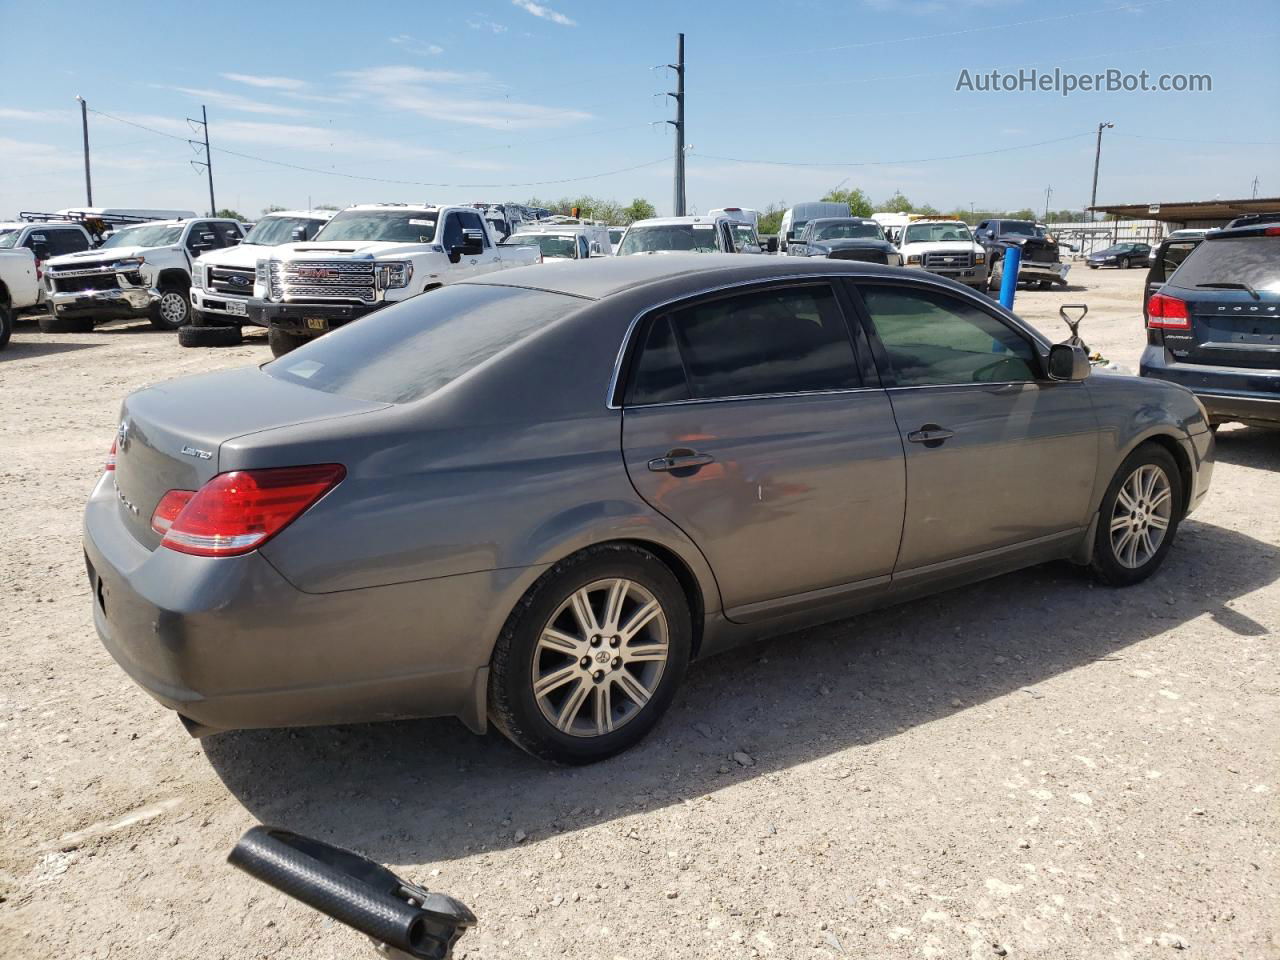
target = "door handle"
x: 674, y: 461
x: 931, y: 435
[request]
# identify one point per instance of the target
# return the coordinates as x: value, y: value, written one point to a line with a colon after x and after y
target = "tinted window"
x: 1251, y: 260
x: 1174, y: 254
x: 412, y: 349
x: 934, y: 338
x: 473, y: 221
x: 659, y: 373
x: 70, y: 241
x: 774, y: 341
x: 229, y: 234
x: 452, y: 236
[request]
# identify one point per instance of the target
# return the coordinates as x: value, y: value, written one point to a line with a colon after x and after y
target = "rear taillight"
x: 1167, y: 313
x: 237, y: 512
x: 167, y: 510
x: 1271, y: 232
x: 111, y: 457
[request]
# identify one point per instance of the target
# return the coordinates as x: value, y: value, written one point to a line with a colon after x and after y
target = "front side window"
x: 933, y: 339
x: 473, y: 221
x: 745, y: 234
x: 789, y: 340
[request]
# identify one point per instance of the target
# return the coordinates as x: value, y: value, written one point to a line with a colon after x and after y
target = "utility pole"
x: 1255, y: 188
x: 1097, y: 157
x: 88, y: 183
x: 208, y: 158
x: 678, y: 123
x: 1048, y: 192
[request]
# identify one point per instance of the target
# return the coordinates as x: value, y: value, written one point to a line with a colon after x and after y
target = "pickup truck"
x: 140, y: 271
x: 844, y: 238
x: 945, y: 247
x: 24, y: 248
x: 368, y: 256
x: 222, y: 280
x: 1041, y: 263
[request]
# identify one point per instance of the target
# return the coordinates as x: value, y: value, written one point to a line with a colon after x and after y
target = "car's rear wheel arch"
x: 685, y: 577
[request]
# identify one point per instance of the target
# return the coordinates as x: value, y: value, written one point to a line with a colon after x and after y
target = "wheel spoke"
x: 1157, y: 521
x: 1133, y: 550
x: 1147, y: 545
x: 604, y: 708
x: 573, y: 705
x: 1122, y: 544
x: 632, y: 687
x: 639, y: 620
x: 585, y: 615
x: 645, y: 652
x: 560, y: 642
x: 554, y: 681
x: 1120, y: 522
x: 1159, y: 499
x: 1125, y: 500
x: 618, y: 591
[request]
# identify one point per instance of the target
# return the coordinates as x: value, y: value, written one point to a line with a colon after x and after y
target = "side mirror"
x: 771, y: 245
x: 791, y: 234
x: 990, y: 234
x: 472, y: 243
x: 1069, y: 362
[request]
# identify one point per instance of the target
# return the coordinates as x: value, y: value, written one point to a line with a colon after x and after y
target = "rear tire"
x: 52, y: 323
x: 1138, y: 518
x: 6, y: 322
x: 173, y: 310
x: 1044, y: 284
x: 282, y: 342
x: 575, y: 687
x: 193, y: 336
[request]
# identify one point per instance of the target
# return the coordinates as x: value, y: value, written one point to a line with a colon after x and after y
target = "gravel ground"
x: 1029, y: 767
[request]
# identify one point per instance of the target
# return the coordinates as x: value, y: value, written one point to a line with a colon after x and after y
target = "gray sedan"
x: 533, y: 499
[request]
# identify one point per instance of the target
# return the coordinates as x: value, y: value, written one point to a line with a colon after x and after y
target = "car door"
x: 489, y: 259
x: 750, y: 421
x: 997, y: 454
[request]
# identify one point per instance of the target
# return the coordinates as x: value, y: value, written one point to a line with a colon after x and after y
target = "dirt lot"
x: 1030, y: 767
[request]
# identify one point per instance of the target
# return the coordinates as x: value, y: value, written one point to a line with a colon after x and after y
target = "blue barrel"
x: 1009, y: 276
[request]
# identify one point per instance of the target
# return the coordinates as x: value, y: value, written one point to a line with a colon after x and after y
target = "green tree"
x: 860, y: 204
x: 897, y: 204
x: 928, y: 209
x: 326, y: 206
x: 1024, y: 214
x: 273, y: 208
x: 771, y: 218
x: 229, y: 214
x: 638, y: 209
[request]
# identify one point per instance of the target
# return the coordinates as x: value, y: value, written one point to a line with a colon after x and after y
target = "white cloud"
x: 33, y: 116
x: 412, y: 44
x: 38, y: 156
x: 546, y: 13
x: 470, y: 101
x: 482, y: 22
x: 233, y: 101
x: 268, y: 83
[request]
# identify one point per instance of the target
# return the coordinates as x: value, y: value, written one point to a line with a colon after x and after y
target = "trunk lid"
x: 1229, y: 328
x: 169, y: 435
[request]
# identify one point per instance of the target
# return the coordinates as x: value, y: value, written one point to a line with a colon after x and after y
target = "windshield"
x: 9, y: 236
x: 936, y: 233
x: 144, y: 237
x: 847, y: 230
x: 554, y: 246
x: 272, y: 231
x: 744, y: 235
x: 415, y: 348
x: 394, y: 226
x: 683, y: 237
x: 1249, y: 260
x: 1015, y: 228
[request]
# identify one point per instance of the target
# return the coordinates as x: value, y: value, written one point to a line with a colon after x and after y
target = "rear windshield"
x: 1251, y: 260
x: 408, y: 351
x: 554, y: 246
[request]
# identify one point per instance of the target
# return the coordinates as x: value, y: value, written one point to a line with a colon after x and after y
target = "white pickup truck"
x: 222, y: 280
x: 24, y: 248
x: 369, y: 256
x: 141, y: 271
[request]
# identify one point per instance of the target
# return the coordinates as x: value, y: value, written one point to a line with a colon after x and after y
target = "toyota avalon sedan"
x: 533, y: 499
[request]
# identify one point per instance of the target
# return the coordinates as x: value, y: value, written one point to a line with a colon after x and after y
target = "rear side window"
x: 934, y: 339
x: 1174, y: 254
x: 792, y: 340
x: 70, y: 241
x: 408, y: 351
x: 1251, y: 260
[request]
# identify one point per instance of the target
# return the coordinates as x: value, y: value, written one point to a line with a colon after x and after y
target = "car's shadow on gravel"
x: 415, y: 792
x: 1249, y: 447
x: 20, y: 348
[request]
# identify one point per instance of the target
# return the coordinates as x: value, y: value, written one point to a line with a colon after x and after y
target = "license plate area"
x: 236, y: 308
x: 317, y: 323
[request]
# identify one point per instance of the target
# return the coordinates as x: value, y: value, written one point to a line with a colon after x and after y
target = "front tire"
x: 52, y: 323
x: 173, y: 310
x: 6, y: 322
x: 592, y: 655
x: 1138, y: 518
x: 282, y: 342
x: 1125, y: 264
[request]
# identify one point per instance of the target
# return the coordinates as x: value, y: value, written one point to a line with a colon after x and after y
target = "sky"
x: 493, y: 100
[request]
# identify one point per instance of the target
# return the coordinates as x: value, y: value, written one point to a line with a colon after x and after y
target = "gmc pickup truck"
x: 368, y: 256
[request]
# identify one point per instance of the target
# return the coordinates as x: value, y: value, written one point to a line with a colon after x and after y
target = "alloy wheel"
x: 1141, y: 516
x: 600, y: 657
x: 173, y: 308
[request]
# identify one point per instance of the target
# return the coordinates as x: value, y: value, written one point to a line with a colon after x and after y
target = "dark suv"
x: 1040, y: 261
x: 1214, y: 327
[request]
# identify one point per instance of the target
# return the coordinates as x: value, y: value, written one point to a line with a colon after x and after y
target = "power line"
x: 1224, y: 143
x: 887, y: 163
x: 388, y: 180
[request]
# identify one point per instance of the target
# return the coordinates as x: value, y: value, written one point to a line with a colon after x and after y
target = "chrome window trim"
x: 835, y: 391
x: 613, y: 401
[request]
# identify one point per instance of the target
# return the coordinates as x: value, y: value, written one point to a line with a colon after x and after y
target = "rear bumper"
x: 229, y: 643
x: 293, y: 317
x: 1239, y: 394
x: 113, y: 303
